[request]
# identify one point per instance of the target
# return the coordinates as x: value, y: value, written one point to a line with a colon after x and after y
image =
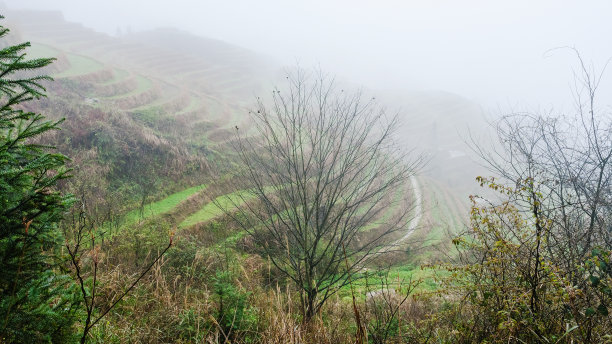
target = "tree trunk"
x: 310, y: 310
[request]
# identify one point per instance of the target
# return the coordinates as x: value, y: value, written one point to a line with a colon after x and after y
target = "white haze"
x: 493, y: 52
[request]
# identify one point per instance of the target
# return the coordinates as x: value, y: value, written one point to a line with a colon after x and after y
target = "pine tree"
x: 34, y: 304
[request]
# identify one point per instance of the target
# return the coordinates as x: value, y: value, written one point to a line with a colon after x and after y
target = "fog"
x: 495, y: 53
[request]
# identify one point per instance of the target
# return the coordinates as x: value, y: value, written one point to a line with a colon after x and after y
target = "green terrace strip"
x: 386, y: 214
x: 118, y: 75
x: 144, y: 84
x: 370, y: 280
x: 442, y: 215
x: 397, y: 275
x: 158, y: 105
x: 79, y: 65
x: 232, y: 239
x: 40, y: 50
x: 162, y: 206
x: 194, y: 104
x: 231, y: 201
x: 215, y: 208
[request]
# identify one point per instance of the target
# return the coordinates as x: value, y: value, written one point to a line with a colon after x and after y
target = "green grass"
x: 41, y: 51
x: 215, y: 208
x: 194, y: 104
x: 162, y: 206
x: 79, y: 65
x: 148, y: 115
x: 402, y: 275
x: 118, y: 75
x: 387, y: 214
x: 143, y: 85
x: 154, y: 107
x: 158, y: 106
x: 442, y: 213
x: 399, y: 276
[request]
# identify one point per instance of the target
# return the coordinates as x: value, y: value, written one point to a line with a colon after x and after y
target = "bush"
x: 233, y: 317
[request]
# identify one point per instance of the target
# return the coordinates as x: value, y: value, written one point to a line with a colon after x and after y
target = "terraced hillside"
x: 188, y: 94
x: 442, y: 124
x: 160, y: 73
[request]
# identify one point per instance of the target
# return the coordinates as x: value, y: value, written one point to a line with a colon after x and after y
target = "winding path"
x: 418, y: 211
x: 414, y: 222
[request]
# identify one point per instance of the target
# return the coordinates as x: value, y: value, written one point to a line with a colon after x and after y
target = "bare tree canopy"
x: 322, y: 165
x: 569, y: 159
x: 560, y: 168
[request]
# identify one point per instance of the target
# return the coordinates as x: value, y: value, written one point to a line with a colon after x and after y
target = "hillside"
x: 150, y: 119
x: 180, y: 96
x: 134, y: 106
x: 162, y: 187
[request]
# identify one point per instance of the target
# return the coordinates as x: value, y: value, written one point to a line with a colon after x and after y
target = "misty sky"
x: 493, y: 52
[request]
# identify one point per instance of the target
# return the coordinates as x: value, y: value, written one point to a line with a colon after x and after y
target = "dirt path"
x: 418, y: 211
x: 414, y: 222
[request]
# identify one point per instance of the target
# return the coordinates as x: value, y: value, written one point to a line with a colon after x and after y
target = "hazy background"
x: 492, y: 52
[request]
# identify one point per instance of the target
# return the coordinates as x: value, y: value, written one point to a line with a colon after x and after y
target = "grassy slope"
x: 79, y: 65
x: 227, y: 117
x: 162, y: 206
x: 215, y: 209
x: 38, y: 50
x: 443, y: 210
x: 387, y: 214
x: 118, y: 75
x: 143, y: 84
x: 447, y: 211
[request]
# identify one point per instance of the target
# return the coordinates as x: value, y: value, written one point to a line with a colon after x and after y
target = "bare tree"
x: 569, y: 159
x: 383, y: 303
x: 321, y: 165
x: 562, y: 166
x: 85, y: 254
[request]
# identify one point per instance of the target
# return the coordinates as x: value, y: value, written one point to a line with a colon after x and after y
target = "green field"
x: 443, y: 215
x: 79, y: 65
x: 118, y: 75
x: 193, y: 105
x: 387, y: 214
x: 397, y: 279
x: 143, y: 85
x: 162, y: 206
x: 40, y: 50
x: 216, y: 208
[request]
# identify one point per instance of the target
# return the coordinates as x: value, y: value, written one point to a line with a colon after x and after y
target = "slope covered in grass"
x: 216, y: 207
x: 162, y: 206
